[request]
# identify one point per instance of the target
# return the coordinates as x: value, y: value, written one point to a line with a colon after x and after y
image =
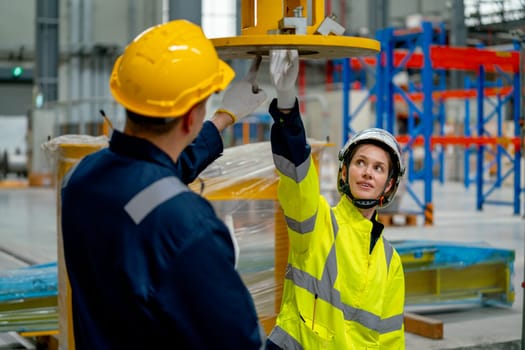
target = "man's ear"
x: 188, y: 120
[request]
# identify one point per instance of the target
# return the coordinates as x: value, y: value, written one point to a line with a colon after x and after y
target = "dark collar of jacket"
x: 138, y: 148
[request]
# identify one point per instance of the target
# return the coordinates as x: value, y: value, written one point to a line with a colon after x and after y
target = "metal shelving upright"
x: 409, y: 50
x: 424, y: 52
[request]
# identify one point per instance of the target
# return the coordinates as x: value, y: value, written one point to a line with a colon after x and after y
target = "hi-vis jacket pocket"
x: 317, y: 331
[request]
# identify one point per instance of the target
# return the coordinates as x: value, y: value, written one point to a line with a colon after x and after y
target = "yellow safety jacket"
x: 337, y: 293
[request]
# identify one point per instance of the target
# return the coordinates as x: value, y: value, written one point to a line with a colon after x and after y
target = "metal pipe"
x: 47, y: 22
x: 521, y: 125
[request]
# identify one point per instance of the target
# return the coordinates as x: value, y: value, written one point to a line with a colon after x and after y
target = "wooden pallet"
x: 423, y: 326
x: 398, y: 219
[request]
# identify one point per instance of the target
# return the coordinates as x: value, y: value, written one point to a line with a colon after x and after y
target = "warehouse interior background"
x: 56, y: 58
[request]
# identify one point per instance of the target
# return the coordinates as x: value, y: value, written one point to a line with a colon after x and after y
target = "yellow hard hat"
x: 167, y: 69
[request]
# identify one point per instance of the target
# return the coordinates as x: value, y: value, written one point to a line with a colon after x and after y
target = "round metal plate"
x: 309, y: 46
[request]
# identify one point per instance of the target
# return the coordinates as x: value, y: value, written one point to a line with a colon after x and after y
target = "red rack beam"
x: 460, y: 93
x: 447, y: 57
x: 468, y: 58
x: 414, y: 61
x: 462, y: 140
x: 470, y: 93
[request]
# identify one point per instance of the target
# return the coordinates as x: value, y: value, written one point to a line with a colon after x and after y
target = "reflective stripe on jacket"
x: 337, y: 294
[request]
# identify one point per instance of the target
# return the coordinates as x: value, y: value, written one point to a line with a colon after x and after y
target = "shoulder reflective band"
x: 152, y: 196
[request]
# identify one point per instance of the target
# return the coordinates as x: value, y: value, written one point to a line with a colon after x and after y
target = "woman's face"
x: 368, y: 172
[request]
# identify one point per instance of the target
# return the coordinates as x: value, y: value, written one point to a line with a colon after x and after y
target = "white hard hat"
x: 386, y: 141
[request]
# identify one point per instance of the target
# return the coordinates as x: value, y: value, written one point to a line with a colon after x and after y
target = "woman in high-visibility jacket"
x: 344, y: 283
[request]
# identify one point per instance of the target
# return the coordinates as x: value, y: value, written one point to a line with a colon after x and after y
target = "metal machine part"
x: 291, y: 24
x: 13, y: 163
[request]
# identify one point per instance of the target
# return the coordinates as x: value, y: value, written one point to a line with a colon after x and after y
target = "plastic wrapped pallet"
x: 64, y: 152
x: 242, y: 186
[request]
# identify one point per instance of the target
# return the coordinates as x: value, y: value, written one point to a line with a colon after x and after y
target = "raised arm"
x: 298, y: 191
x: 240, y: 100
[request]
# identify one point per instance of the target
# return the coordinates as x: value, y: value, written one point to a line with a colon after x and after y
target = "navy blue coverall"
x: 149, y: 262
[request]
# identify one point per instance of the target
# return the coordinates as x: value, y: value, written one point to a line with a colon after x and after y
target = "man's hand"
x: 243, y: 97
x: 284, y: 68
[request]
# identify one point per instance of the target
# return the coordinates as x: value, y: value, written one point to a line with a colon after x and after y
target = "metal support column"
x: 346, y: 101
x: 481, y: 132
x: 428, y: 120
x: 47, y: 19
x: 378, y: 14
x: 190, y: 10
x: 458, y: 37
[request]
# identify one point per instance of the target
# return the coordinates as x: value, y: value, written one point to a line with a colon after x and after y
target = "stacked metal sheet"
x: 28, y: 299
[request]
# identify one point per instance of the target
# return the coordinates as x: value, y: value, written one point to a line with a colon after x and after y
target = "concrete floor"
x: 456, y: 219
x: 28, y: 236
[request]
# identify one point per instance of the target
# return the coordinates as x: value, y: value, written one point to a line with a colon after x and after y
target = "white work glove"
x: 284, y: 68
x: 243, y: 97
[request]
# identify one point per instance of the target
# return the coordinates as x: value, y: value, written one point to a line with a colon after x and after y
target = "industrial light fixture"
x: 17, y: 72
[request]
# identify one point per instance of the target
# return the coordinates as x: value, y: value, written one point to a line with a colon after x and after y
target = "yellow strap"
x: 221, y: 110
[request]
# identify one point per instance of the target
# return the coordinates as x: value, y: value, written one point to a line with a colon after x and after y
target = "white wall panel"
x: 17, y: 24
